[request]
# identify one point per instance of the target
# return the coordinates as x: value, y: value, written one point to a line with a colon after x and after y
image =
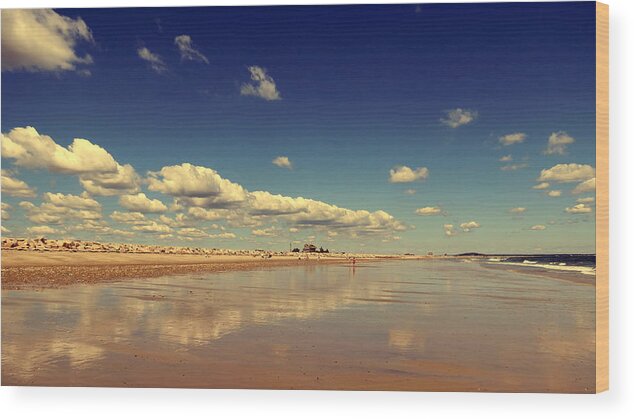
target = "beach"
x: 53, y: 269
x: 282, y: 323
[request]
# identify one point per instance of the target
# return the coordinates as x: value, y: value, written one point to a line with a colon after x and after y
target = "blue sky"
x: 437, y: 94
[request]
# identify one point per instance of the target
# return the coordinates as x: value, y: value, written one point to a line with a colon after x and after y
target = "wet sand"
x: 33, y: 269
x: 429, y: 325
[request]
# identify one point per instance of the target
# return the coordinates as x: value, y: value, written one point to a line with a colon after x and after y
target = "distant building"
x: 309, y: 248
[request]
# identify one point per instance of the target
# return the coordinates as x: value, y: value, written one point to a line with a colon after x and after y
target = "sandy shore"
x: 22, y: 269
x: 435, y: 325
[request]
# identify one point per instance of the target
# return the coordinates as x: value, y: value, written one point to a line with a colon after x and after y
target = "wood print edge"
x: 602, y: 198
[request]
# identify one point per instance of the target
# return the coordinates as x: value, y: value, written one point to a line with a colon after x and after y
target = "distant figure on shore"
x: 354, y: 260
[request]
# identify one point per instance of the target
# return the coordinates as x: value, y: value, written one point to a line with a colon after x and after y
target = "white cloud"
x: 187, y: 50
x: 587, y: 200
x: 204, y: 195
x: 538, y: 227
x: 179, y: 220
x: 32, y: 150
x: 543, y: 185
x: 15, y: 187
x: 512, y: 167
x: 42, y: 230
x: 196, y: 186
x: 514, y: 138
x: 566, y: 173
x: 193, y: 233
x: 155, y: 61
x: 579, y: 209
x: 518, y: 210
x: 308, y: 212
x: 99, y: 173
x: 124, y: 180
x: 557, y: 143
x: 404, y: 174
x: 42, y: 40
x: 225, y: 235
x: 468, y: 226
x: 554, y: 194
x: 141, y: 203
x: 5, y: 211
x: 4, y: 230
x: 458, y: 117
x: 79, y: 202
x: 449, y: 230
x: 429, y: 211
x: 283, y: 161
x: 128, y: 217
x: 152, y: 227
x: 263, y: 85
x: 265, y: 232
x: 506, y: 158
x: 409, y: 191
x: 587, y: 186
x: 58, y: 208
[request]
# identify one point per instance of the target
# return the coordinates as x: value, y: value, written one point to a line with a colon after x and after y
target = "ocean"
x: 582, y: 263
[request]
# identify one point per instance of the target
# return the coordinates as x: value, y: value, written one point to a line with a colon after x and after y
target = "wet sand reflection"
x: 403, y: 325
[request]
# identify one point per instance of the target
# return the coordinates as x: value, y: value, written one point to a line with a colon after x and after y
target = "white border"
x: 66, y: 403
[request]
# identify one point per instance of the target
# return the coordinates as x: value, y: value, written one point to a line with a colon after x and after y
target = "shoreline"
x: 33, y: 269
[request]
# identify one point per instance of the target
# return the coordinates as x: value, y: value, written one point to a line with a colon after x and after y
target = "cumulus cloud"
x: 196, y: 186
x: 179, y: 220
x: 579, y: 209
x: 283, y: 161
x: 538, y: 227
x: 124, y: 180
x: 99, y: 173
x: 554, y: 194
x: 155, y: 61
x: 5, y: 211
x: 457, y: 117
x: 33, y: 150
x: 506, y: 158
x: 449, y: 230
x: 42, y: 230
x: 152, y: 227
x: 586, y: 186
x: 42, y: 40
x: 404, y: 174
x: 58, y: 208
x: 587, y: 200
x: 262, y: 85
x: 186, y: 48
x: 514, y: 138
x: 193, y: 233
x: 311, y: 213
x: 469, y: 226
x: 128, y: 217
x: 567, y: 173
x: 264, y: 232
x: 79, y: 202
x: 15, y: 187
x: 557, y: 143
x: 429, y: 211
x: 409, y: 191
x: 141, y: 203
x: 518, y: 210
x: 542, y: 185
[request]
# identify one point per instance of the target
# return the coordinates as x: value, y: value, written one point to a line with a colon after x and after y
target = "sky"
x: 440, y: 128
